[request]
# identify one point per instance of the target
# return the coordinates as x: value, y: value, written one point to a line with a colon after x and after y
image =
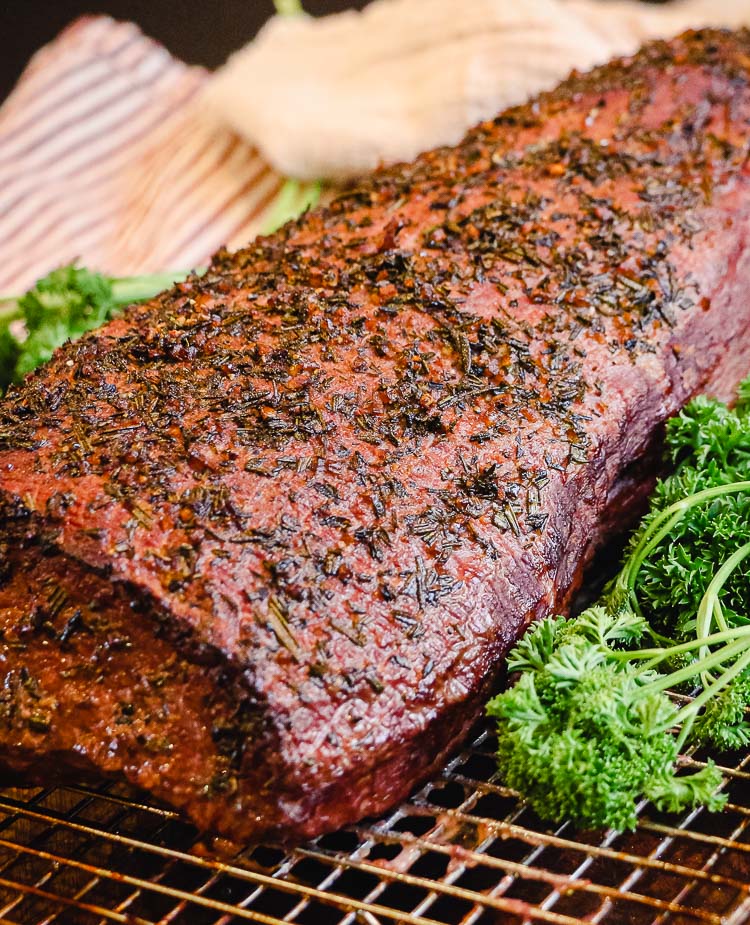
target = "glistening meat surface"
x: 266, y: 539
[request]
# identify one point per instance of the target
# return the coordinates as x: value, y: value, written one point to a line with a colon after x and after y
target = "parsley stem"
x: 129, y: 289
x: 724, y: 654
x: 288, y: 7
x: 710, y: 605
x: 721, y: 620
x: 659, y: 653
x: 707, y: 607
x: 707, y: 693
x: 661, y: 527
x: 294, y: 198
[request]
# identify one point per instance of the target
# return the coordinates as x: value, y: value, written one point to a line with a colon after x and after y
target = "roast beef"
x: 266, y: 539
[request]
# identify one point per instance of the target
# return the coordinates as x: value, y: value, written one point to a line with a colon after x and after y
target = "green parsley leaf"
x: 62, y: 306
x: 589, y: 728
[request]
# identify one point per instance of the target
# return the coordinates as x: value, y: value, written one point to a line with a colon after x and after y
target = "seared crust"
x: 348, y: 465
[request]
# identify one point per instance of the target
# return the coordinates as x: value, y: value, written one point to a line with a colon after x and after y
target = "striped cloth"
x: 107, y: 156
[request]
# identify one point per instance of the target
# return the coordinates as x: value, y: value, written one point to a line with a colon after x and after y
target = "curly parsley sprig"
x: 589, y: 728
x: 62, y: 306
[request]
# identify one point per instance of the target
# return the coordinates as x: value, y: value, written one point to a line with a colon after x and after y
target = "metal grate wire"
x: 460, y: 850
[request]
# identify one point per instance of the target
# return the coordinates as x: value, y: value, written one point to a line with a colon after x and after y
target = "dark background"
x: 198, y: 31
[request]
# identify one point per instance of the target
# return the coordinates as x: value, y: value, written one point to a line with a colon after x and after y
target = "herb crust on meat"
x: 265, y: 540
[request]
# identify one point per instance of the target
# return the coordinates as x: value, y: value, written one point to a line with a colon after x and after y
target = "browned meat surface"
x: 266, y: 539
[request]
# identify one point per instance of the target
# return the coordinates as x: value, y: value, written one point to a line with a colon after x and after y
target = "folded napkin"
x: 344, y: 93
x: 107, y: 156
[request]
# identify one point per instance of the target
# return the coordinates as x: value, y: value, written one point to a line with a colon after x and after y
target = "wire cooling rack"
x: 460, y: 850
